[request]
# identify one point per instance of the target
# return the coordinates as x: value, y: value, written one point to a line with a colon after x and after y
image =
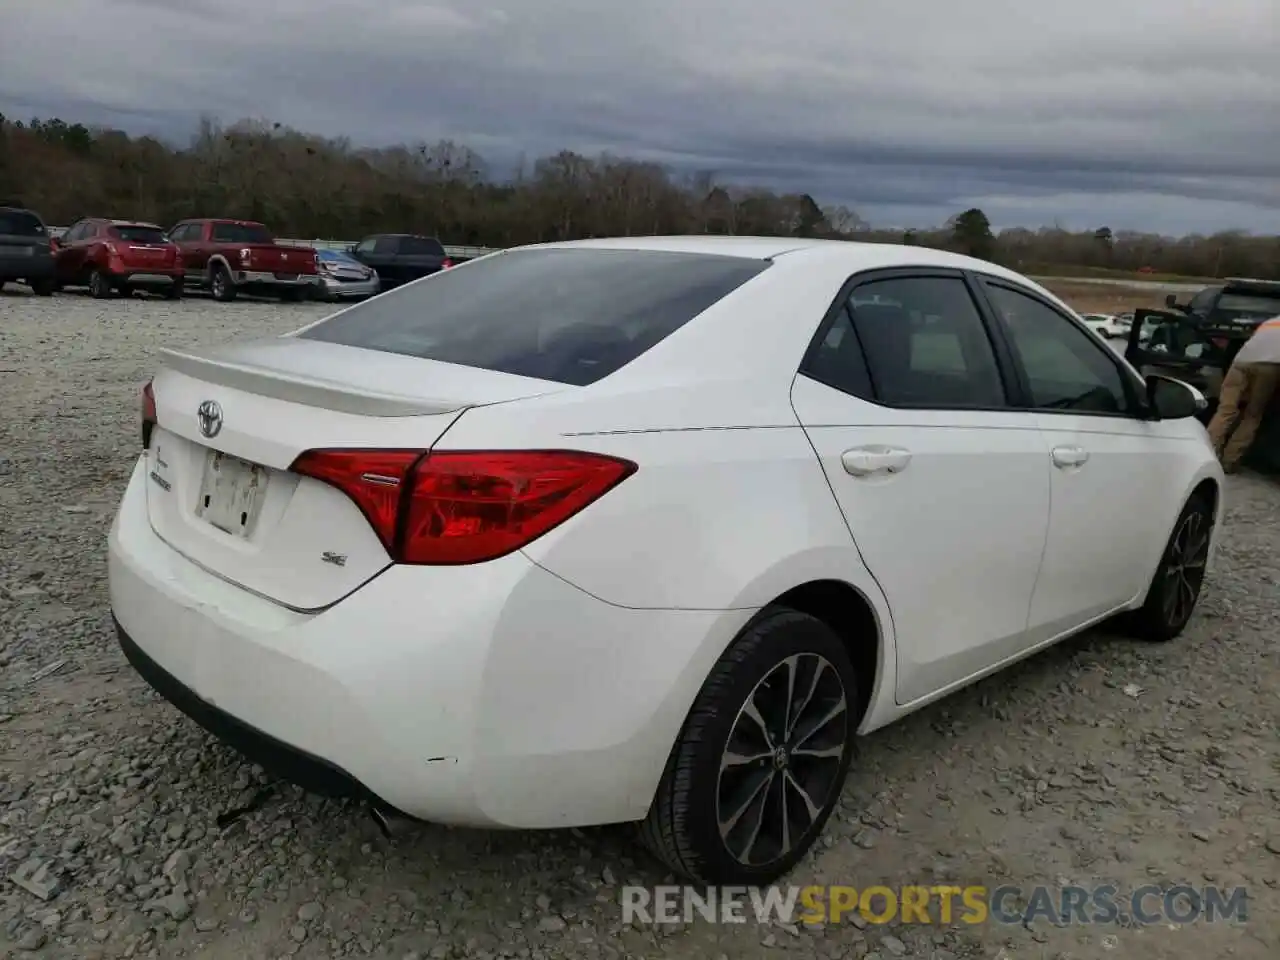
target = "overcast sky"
x: 1151, y: 114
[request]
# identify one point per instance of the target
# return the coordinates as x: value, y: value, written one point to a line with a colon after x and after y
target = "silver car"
x: 342, y: 277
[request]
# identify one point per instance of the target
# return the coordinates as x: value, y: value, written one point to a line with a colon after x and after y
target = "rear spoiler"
x: 311, y: 391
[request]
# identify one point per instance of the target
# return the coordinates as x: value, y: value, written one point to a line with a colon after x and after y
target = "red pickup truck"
x: 230, y: 257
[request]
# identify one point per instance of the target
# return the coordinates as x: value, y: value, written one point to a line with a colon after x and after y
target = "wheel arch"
x: 851, y: 615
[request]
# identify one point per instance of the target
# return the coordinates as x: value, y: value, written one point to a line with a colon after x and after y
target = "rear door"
x: 189, y: 238
x: 1115, y: 476
x: 944, y: 486
x: 69, y: 260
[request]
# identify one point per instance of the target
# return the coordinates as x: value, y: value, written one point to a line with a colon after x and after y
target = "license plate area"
x: 231, y: 493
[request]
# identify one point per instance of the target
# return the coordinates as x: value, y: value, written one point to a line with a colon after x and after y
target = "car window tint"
x: 925, y: 344
x: 421, y: 247
x: 838, y: 360
x: 567, y: 315
x: 19, y: 223
x: 241, y: 233
x: 1066, y: 369
x: 140, y: 234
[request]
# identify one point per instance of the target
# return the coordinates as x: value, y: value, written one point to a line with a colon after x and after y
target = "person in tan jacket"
x: 1246, y: 392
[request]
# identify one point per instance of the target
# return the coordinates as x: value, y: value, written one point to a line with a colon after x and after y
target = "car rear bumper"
x: 493, y: 695
x: 25, y: 267
x: 150, y: 278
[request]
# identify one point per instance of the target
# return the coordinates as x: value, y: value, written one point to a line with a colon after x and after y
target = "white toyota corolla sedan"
x: 646, y: 529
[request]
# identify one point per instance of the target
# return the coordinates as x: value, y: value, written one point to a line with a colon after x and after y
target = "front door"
x: 1112, y: 470
x: 945, y: 489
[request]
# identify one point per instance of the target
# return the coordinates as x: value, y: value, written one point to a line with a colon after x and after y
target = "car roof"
x: 856, y: 255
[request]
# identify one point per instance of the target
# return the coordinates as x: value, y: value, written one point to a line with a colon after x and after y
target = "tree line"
x: 311, y: 187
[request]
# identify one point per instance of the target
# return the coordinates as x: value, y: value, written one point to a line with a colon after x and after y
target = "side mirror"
x: 1171, y: 300
x: 1171, y: 399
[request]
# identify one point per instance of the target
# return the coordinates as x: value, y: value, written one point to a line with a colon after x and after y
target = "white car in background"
x: 646, y: 529
x: 1107, y: 325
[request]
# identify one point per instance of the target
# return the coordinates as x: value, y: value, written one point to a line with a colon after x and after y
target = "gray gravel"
x: 1098, y: 761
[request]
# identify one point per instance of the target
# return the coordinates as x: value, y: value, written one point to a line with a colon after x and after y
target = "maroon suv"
x: 118, y: 255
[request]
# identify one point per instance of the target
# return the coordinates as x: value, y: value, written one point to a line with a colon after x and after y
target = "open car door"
x: 1174, y: 344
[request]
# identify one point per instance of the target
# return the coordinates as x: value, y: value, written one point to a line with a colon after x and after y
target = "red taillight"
x: 456, y: 507
x: 149, y: 418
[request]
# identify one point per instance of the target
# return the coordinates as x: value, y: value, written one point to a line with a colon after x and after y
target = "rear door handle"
x: 873, y: 459
x: 1065, y: 457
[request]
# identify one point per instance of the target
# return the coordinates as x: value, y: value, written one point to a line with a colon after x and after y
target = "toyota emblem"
x: 210, y: 416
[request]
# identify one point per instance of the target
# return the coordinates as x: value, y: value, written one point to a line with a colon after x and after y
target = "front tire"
x: 761, y: 761
x: 1175, y: 589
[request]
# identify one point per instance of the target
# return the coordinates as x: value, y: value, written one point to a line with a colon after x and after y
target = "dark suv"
x: 26, y: 250
x: 401, y: 257
x: 1196, y: 342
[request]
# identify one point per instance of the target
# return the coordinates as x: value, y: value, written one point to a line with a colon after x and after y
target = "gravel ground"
x: 1098, y: 761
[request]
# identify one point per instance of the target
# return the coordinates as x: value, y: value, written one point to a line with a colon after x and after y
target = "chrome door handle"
x: 873, y: 458
x: 1065, y: 457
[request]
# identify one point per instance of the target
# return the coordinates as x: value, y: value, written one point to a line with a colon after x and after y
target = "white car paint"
x: 1106, y: 325
x: 545, y: 688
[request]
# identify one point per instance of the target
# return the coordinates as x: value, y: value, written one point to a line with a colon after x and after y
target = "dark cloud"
x: 1157, y: 114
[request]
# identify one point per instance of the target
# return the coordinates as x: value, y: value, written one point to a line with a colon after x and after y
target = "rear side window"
x: 17, y: 223
x: 911, y: 342
x: 136, y: 234
x: 421, y: 247
x: 567, y: 315
x: 241, y: 233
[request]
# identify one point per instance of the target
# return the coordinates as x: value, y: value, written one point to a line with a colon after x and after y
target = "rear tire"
x: 739, y: 803
x: 42, y: 288
x: 220, y: 285
x: 1175, y: 589
x: 99, y: 284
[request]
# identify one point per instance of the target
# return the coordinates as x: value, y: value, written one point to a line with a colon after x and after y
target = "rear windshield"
x: 567, y: 315
x: 16, y: 224
x: 136, y: 234
x: 421, y: 247
x: 241, y: 233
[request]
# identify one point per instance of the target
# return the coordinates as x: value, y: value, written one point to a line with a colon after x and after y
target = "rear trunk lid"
x: 228, y: 502
x: 147, y: 254
x: 279, y: 258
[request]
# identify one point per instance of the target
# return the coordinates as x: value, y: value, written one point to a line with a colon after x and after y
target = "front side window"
x: 567, y: 315
x: 1065, y: 368
x: 922, y: 342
